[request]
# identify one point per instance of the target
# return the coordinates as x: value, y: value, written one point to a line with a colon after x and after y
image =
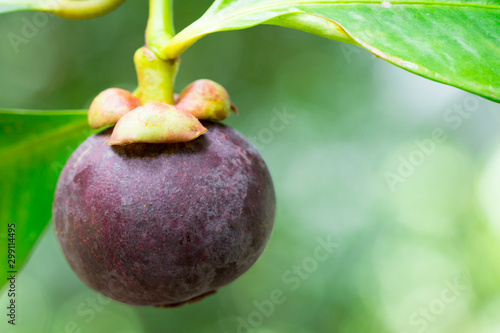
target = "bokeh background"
x: 400, y: 174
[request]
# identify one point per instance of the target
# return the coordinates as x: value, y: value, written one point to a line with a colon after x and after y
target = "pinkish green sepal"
x: 110, y: 105
x: 156, y: 123
x: 206, y: 99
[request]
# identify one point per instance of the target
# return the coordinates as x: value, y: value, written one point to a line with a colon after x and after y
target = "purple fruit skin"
x: 164, y: 224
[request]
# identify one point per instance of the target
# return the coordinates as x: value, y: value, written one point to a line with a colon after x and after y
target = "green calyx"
x: 146, y: 120
x: 156, y: 123
x: 110, y: 105
x: 206, y: 99
x: 140, y: 117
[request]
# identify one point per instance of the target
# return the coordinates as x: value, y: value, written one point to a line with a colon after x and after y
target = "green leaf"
x: 456, y: 42
x: 34, y: 145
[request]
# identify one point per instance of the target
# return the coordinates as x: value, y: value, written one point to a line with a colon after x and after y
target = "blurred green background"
x: 352, y: 146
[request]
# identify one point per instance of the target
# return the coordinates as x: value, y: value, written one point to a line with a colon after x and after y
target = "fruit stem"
x: 156, y: 76
x: 160, y: 29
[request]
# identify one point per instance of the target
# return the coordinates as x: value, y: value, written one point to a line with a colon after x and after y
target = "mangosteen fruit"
x: 164, y: 224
